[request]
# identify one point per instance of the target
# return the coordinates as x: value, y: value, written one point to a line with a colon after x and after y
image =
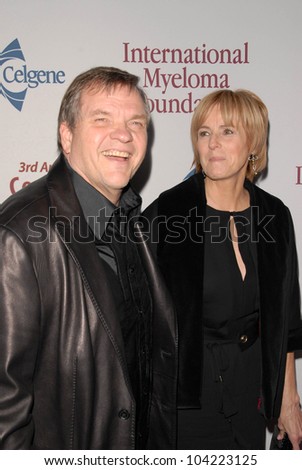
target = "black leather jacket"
x: 64, y: 383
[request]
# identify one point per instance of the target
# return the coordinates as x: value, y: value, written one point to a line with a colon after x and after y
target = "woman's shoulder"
x: 263, y: 198
x: 191, y: 185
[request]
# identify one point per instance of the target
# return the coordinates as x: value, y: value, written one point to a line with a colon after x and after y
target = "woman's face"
x: 223, y: 150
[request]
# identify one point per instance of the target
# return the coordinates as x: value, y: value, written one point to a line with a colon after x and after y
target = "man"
x: 79, y: 290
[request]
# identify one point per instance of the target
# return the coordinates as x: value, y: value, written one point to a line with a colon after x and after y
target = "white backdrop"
x: 45, y: 44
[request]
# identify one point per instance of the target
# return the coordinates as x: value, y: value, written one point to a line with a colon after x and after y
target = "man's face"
x: 109, y: 141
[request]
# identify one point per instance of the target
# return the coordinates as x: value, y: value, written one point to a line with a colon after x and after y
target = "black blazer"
x: 176, y: 219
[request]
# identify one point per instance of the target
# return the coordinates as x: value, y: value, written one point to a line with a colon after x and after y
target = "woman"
x: 227, y: 251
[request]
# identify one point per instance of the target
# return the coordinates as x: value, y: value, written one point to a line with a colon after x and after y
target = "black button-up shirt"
x: 112, y: 227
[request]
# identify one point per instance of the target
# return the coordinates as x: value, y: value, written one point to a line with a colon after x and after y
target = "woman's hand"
x: 290, y: 419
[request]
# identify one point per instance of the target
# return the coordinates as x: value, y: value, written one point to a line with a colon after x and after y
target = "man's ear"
x: 66, y: 137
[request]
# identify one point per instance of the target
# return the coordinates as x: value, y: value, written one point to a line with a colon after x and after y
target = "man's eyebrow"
x: 98, y: 111
x: 139, y: 116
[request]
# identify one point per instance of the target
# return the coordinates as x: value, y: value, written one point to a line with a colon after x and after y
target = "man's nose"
x: 122, y: 133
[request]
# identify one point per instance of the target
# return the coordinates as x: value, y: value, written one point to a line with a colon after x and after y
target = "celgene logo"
x: 16, y: 77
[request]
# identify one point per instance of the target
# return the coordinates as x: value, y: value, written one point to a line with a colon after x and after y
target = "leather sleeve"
x: 149, y: 224
x: 19, y: 337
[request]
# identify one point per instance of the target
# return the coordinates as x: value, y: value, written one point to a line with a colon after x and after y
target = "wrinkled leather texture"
x: 63, y: 377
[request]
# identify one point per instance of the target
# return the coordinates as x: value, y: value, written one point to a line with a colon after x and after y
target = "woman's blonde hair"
x: 237, y: 107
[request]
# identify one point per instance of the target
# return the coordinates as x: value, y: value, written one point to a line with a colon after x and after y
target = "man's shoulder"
x: 29, y: 201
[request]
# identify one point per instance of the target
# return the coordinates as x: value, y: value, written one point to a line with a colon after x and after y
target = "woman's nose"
x: 214, y: 141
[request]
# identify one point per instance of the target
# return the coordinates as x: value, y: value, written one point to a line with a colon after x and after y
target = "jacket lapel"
x: 74, y: 232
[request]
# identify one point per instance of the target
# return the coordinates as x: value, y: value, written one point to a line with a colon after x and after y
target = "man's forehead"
x: 110, y: 91
x: 104, y: 99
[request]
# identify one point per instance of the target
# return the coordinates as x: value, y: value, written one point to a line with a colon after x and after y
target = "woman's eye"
x: 228, y: 131
x: 203, y: 133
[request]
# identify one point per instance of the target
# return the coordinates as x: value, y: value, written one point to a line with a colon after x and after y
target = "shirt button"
x: 124, y: 414
x: 243, y: 338
x: 131, y: 269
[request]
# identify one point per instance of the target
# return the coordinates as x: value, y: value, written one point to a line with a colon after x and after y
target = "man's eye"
x: 138, y: 124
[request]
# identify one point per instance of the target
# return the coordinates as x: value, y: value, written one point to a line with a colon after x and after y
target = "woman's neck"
x: 226, y: 195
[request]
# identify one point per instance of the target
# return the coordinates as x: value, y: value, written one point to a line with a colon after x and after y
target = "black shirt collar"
x: 97, y: 209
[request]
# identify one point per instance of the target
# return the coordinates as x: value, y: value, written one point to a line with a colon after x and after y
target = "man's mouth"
x: 116, y: 154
